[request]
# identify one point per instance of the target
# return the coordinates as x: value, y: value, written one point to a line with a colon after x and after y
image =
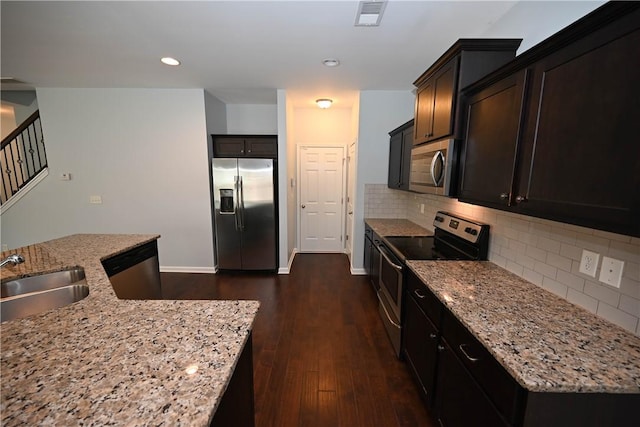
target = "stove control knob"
x: 439, y: 219
x: 471, y: 231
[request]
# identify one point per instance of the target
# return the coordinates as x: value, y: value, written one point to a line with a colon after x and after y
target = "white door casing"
x: 321, y: 195
x: 351, y: 176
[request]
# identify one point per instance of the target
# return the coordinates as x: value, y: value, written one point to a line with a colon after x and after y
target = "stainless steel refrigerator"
x: 245, y: 213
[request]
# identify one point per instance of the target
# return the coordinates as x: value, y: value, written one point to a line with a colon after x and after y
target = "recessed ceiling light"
x: 330, y: 62
x: 169, y: 61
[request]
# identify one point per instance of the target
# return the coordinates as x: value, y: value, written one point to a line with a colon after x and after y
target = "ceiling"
x: 243, y: 51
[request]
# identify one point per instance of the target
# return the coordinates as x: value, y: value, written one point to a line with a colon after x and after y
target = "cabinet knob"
x: 504, y: 196
x: 440, y: 347
x: 520, y: 199
x: 248, y: 151
x: 303, y: 206
x: 433, y: 336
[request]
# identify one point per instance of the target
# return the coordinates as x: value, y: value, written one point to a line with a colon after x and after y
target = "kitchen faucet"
x: 12, y: 259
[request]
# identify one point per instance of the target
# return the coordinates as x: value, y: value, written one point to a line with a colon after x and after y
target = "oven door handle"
x: 384, y: 252
x: 384, y: 307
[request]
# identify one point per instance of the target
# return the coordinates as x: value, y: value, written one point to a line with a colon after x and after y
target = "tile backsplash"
x: 545, y: 253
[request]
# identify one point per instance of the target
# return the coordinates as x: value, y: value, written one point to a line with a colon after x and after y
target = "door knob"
x: 303, y: 206
x: 350, y: 212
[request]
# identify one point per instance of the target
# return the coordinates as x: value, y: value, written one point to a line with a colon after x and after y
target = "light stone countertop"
x: 106, y: 361
x: 546, y: 343
x: 385, y: 227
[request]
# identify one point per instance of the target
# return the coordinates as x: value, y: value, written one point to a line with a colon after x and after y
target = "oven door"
x: 391, y: 280
x: 431, y: 168
x: 390, y: 296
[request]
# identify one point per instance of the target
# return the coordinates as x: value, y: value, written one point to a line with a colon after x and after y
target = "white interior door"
x: 321, y: 179
x: 351, y: 155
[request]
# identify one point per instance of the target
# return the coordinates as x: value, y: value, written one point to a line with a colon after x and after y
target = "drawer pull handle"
x: 418, y: 294
x: 471, y: 359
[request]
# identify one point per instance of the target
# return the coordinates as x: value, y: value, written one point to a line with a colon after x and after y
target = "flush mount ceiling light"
x: 370, y: 13
x: 330, y: 62
x: 169, y: 61
x: 324, y: 102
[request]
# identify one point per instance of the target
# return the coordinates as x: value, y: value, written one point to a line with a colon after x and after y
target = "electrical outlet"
x: 65, y: 176
x: 589, y: 262
x: 5, y: 247
x: 611, y: 271
x: 95, y: 200
x: 421, y: 207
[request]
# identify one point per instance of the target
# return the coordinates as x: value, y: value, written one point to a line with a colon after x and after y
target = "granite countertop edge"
x: 103, y: 360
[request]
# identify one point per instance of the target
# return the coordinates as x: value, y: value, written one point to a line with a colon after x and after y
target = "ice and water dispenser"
x: 226, y: 201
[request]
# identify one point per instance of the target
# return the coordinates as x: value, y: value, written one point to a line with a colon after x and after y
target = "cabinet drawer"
x: 496, y: 382
x: 426, y: 300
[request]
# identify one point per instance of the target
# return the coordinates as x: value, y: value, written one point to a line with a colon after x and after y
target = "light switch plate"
x: 65, y: 176
x: 611, y: 271
x: 95, y: 200
x: 589, y: 263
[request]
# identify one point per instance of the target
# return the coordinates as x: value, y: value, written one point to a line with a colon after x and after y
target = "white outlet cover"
x: 611, y: 271
x: 589, y: 263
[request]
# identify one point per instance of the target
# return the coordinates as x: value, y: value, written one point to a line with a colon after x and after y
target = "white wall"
x: 252, y: 119
x: 380, y: 112
x: 534, y: 21
x: 315, y: 126
x: 216, y: 115
x: 143, y: 150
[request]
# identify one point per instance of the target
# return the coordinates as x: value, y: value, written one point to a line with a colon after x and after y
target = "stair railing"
x: 22, y: 156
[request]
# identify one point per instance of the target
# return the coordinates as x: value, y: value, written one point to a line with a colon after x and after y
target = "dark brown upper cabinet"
x: 265, y: 146
x: 400, y: 143
x: 438, y: 89
x: 555, y: 133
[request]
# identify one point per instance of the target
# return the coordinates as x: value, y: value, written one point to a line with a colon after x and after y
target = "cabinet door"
x: 460, y: 402
x: 444, y: 98
x: 423, y: 127
x: 491, y: 144
x: 420, y: 347
x: 395, y: 161
x: 405, y: 164
x: 583, y: 149
x: 228, y: 147
x: 261, y: 147
x: 368, y: 247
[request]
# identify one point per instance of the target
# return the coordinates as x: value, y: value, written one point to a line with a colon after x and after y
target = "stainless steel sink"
x: 36, y: 294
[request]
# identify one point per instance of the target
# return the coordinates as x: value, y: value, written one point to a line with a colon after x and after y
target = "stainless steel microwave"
x: 431, y: 168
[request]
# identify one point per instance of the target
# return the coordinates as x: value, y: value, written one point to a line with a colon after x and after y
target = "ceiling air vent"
x: 370, y: 13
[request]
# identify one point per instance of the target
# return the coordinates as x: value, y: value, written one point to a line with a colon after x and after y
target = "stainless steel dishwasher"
x: 135, y: 274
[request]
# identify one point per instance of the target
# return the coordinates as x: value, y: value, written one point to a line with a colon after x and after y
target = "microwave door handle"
x: 384, y: 253
x: 432, y: 171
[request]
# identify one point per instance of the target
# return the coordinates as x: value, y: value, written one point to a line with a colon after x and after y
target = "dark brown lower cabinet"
x: 420, y: 348
x: 460, y: 402
x: 237, y: 405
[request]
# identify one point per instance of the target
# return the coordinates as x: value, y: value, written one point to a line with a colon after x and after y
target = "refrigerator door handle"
x: 236, y: 184
x: 241, y: 201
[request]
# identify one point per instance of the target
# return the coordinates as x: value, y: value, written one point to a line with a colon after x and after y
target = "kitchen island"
x: 106, y: 361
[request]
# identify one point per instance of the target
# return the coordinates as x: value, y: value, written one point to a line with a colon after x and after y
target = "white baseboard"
x: 358, y: 271
x: 287, y: 269
x: 171, y: 269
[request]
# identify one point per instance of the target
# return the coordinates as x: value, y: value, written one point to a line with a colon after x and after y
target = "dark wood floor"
x: 321, y: 356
